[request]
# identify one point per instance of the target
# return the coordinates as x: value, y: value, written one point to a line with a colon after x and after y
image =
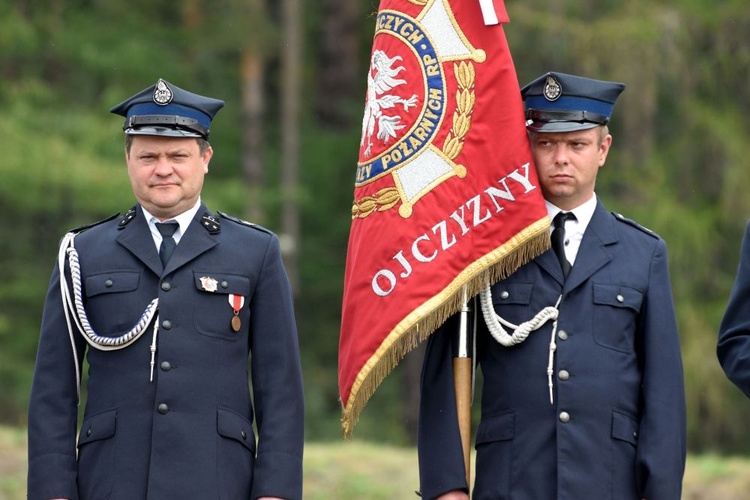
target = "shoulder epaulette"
x: 84, y: 227
x: 244, y: 222
x: 633, y: 223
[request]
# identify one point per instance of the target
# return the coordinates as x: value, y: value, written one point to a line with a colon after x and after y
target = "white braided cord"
x: 73, y: 308
x: 521, y: 332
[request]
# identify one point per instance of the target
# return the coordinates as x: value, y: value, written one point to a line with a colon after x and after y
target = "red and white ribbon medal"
x: 236, y: 301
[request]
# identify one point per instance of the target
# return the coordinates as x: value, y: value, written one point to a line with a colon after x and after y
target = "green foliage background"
x: 679, y: 163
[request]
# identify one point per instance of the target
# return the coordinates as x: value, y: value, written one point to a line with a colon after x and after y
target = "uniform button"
x: 244, y: 435
x: 88, y: 431
x: 109, y: 283
x: 620, y: 298
x: 166, y: 324
x: 166, y: 366
x: 563, y: 375
x: 564, y: 417
x: 163, y: 408
x: 166, y: 286
x: 504, y: 295
x: 563, y: 335
x: 224, y: 284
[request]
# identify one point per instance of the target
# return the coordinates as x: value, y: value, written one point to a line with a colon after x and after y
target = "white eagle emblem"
x: 380, y: 79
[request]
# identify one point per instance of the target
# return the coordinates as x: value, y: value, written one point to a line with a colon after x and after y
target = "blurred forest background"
x: 293, y: 75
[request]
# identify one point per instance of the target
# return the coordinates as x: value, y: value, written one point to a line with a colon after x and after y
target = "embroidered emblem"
x: 552, y: 89
x: 209, y: 284
x: 408, y: 98
x: 162, y: 93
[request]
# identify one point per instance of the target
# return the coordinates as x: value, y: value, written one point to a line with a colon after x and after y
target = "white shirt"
x: 574, y: 229
x: 184, y: 220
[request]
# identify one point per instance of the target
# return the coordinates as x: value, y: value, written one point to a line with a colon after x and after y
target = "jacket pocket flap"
x: 222, y: 283
x: 497, y: 428
x: 617, y: 296
x: 624, y: 428
x: 511, y: 293
x: 99, y: 426
x: 234, y: 426
x: 114, y: 282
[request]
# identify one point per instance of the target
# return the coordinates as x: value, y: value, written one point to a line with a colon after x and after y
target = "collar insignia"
x: 129, y: 215
x: 211, y: 223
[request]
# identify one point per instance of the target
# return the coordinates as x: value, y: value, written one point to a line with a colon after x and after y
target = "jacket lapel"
x: 592, y: 254
x: 136, y: 237
x: 196, y: 240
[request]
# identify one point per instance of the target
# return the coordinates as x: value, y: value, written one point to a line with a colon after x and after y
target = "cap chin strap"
x: 76, y: 313
x: 521, y: 332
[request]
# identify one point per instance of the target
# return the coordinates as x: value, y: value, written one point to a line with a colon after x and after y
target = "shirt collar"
x: 583, y: 212
x: 184, y: 220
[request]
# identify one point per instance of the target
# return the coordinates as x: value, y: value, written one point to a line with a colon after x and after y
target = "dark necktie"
x: 558, y: 239
x: 168, y: 244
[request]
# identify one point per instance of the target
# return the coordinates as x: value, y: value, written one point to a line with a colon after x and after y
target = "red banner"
x: 446, y: 196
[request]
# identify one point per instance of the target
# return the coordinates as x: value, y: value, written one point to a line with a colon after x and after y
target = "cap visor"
x: 162, y: 131
x: 559, y: 126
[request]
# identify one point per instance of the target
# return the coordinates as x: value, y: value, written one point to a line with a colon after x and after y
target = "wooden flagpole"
x: 462, y: 382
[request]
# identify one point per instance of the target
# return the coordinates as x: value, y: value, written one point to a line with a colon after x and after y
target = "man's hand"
x: 454, y: 495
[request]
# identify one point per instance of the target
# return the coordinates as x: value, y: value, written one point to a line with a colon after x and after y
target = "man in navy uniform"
x: 591, y: 404
x: 733, y: 348
x: 168, y: 303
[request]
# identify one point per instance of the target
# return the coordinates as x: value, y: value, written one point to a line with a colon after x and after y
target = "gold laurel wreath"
x: 387, y: 198
x: 465, y: 100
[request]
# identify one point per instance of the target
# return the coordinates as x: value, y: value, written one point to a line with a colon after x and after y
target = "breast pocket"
x: 111, y: 301
x: 511, y: 301
x: 219, y: 296
x: 616, y: 309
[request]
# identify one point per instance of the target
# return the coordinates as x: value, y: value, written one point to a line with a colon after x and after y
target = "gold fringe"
x: 420, y: 323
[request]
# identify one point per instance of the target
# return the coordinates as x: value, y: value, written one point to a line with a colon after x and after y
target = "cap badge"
x: 162, y: 93
x: 209, y: 284
x: 552, y: 89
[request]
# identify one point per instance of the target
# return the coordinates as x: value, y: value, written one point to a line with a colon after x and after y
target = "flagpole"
x: 462, y: 382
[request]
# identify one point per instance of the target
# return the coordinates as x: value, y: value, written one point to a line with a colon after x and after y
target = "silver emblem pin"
x: 552, y: 89
x: 162, y: 93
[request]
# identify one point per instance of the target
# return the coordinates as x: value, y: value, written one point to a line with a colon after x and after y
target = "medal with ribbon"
x: 236, y: 301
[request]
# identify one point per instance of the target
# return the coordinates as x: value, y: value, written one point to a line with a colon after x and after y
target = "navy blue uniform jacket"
x: 616, y: 429
x: 189, y: 433
x: 733, y: 348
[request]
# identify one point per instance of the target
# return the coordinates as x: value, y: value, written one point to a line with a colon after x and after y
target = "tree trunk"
x: 291, y: 65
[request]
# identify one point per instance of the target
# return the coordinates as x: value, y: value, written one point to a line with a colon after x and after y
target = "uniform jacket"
x: 188, y: 433
x: 733, y: 348
x: 616, y: 429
